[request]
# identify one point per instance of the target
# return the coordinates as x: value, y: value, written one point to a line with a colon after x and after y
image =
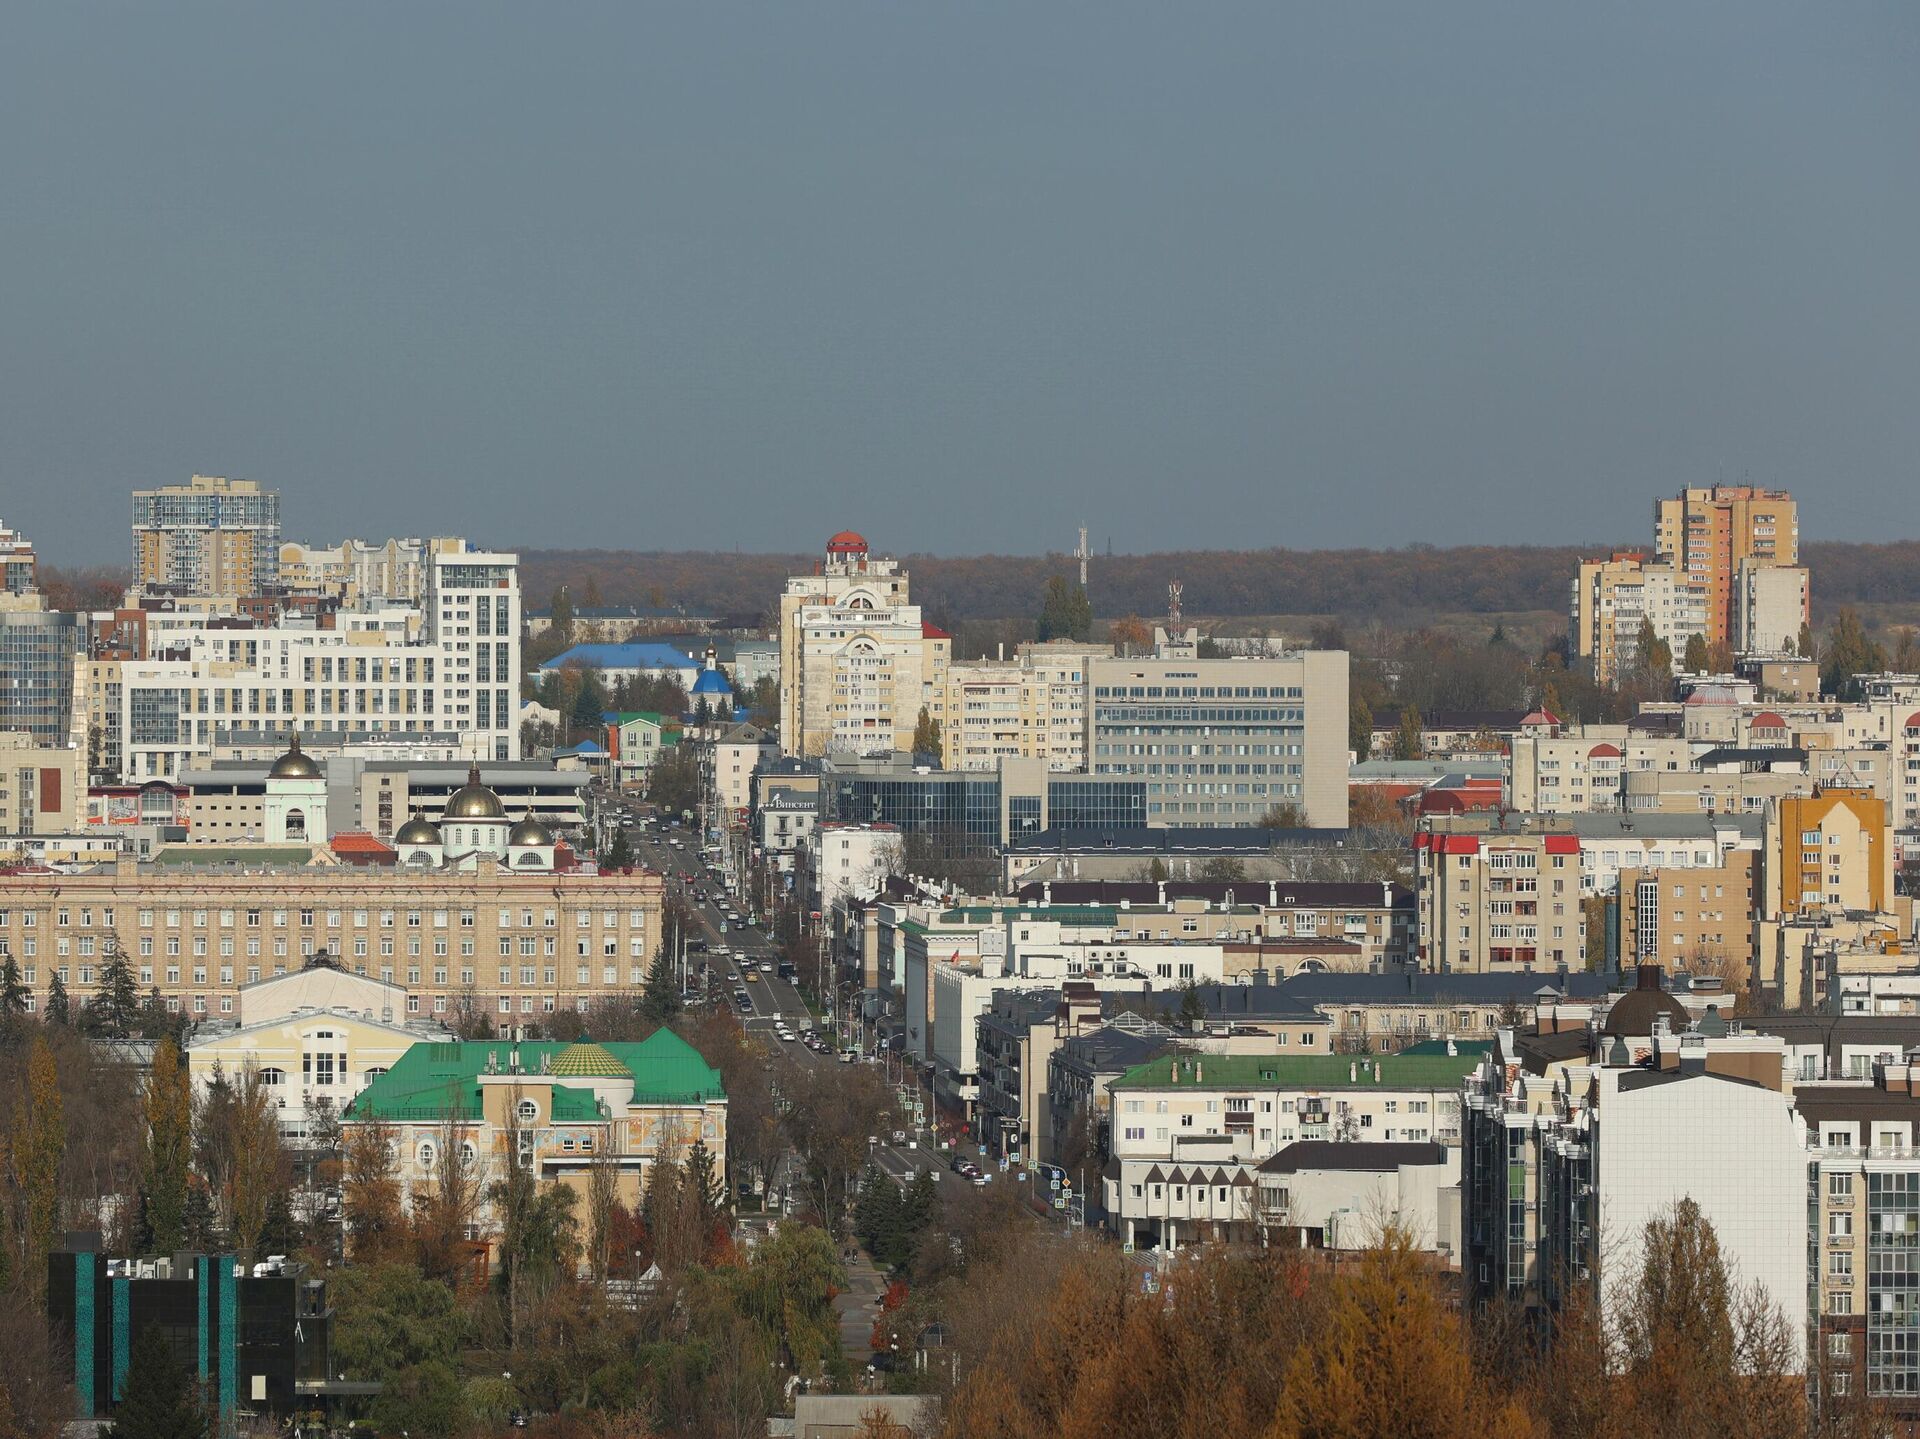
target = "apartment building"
x: 857, y: 661
x: 1830, y: 850
x: 1585, y: 768
x: 39, y: 656
x: 1698, y: 918
x: 733, y: 757
x: 1190, y: 1131
x: 1564, y: 1163
x: 19, y: 567
x: 1497, y: 901
x: 1771, y: 602
x: 1615, y: 596
x: 355, y: 570
x: 209, y: 536
x: 1033, y: 707
x: 452, y: 667
x: 1712, y: 531
x: 1222, y: 742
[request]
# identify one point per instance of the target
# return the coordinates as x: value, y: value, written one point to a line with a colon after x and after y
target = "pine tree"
x: 926, y: 738
x: 619, y: 854
x: 1407, y: 743
x: 1193, y: 1011
x: 1065, y: 612
x: 1696, y: 659
x: 157, y: 1401
x: 13, y: 994
x: 199, y: 1225
x: 59, y: 1009
x: 39, y: 1144
x: 169, y: 1147
x: 660, y: 1001
x: 708, y: 1190
x: 115, y: 1008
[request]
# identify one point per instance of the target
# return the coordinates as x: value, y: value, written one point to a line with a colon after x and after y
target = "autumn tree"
x: 1360, y: 729
x: 259, y: 1170
x: 449, y: 1201
x: 169, y: 1147
x: 1390, y: 1358
x: 1407, y: 741
x: 1695, y: 659
x: 370, y: 1193
x: 1130, y: 635
x: 926, y: 738
x: 1846, y: 654
x: 35, y: 1151
x: 1288, y: 814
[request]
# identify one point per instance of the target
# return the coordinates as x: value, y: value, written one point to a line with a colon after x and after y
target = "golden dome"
x: 474, y: 800
x: 294, y: 764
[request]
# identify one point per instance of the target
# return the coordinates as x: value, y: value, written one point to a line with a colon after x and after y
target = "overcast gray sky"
x: 960, y: 275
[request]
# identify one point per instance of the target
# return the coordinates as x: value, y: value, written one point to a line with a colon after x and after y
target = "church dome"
x: 586, y: 1060
x: 1633, y: 1013
x: 294, y: 764
x: 530, y: 832
x: 474, y: 800
x: 417, y: 831
x: 712, y: 682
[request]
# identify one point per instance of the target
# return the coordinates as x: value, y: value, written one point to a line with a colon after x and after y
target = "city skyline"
x: 703, y: 281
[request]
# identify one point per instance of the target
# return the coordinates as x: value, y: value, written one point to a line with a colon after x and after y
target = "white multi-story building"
x: 450, y: 666
x: 1770, y: 604
x: 355, y: 570
x: 1583, y: 768
x: 1222, y: 742
x: 857, y: 661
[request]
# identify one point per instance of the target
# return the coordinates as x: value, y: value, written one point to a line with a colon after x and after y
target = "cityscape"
x: 564, y: 888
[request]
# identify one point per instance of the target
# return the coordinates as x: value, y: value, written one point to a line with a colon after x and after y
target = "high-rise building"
x: 1709, y: 532
x: 857, y: 662
x: 37, y: 657
x: 207, y: 537
x: 18, y: 567
x: 1615, y: 596
x: 1221, y: 742
x: 1770, y: 604
x: 1033, y: 706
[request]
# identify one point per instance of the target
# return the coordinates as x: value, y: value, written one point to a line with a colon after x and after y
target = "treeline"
x: 1389, y: 585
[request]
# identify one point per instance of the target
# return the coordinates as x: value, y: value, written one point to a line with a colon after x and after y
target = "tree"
x: 660, y: 1001
x: 1848, y: 653
x: 169, y: 1147
x: 38, y: 1145
x: 619, y: 855
x: 115, y: 1008
x: 673, y: 783
x: 1130, y: 636
x: 704, y: 1183
x: 1696, y: 659
x: 1288, y: 814
x: 157, y: 1401
x: 370, y: 1193
x: 1390, y: 1359
x: 1193, y: 1010
x: 603, y: 1178
x: 13, y: 993
x: 1223, y: 869
x: 59, y: 1009
x: 1065, y: 613
x: 1156, y: 870
x: 560, y: 617
x: 1653, y: 659
x: 1407, y: 742
x: 1805, y: 647
x: 926, y: 738
x: 1360, y: 729
x: 451, y: 1198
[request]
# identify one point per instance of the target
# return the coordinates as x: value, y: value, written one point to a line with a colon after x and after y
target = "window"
x: 1839, y: 1186
x: 527, y: 1109
x: 426, y: 1156
x: 1840, y: 1226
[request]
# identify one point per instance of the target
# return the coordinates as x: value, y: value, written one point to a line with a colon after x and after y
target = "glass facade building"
x: 37, y: 655
x: 983, y: 809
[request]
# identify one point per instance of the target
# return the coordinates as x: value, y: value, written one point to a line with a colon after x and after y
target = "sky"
x: 962, y: 277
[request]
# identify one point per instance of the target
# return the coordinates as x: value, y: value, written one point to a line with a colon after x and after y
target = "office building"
x: 857, y: 661
x: 978, y: 811
x: 1711, y: 532
x: 39, y: 656
x: 207, y: 537
x: 1224, y: 742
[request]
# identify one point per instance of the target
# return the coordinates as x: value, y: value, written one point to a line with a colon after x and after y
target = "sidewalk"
x: 856, y: 1307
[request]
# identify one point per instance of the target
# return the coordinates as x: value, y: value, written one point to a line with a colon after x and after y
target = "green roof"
x: 243, y: 854
x: 624, y: 717
x: 431, y: 1079
x: 1474, y: 1047
x: 1305, y: 1071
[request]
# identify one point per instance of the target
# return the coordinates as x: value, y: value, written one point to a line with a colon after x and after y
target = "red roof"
x: 1563, y: 844
x: 1540, y: 717
x: 1913, y: 720
x: 933, y: 632
x: 357, y: 841
x: 847, y: 543
x: 1603, y: 750
x: 1767, y: 719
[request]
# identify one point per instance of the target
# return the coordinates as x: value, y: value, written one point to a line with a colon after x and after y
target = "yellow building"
x: 565, y: 1108
x: 1712, y: 531
x: 1830, y: 850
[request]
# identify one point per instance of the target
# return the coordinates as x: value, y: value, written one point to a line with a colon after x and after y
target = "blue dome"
x: 712, y: 682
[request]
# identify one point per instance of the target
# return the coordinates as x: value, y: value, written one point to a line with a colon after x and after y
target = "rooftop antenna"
x: 1081, y: 554
x: 1174, y: 591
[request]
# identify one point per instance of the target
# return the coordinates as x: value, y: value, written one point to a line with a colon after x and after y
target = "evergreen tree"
x: 1193, y: 1011
x: 157, y: 1401
x: 13, y: 994
x: 1806, y: 648
x: 199, y: 1225
x: 1065, y: 613
x: 1848, y: 653
x: 660, y: 1001
x: 115, y: 1008
x: 701, y: 1178
x: 619, y: 854
x: 169, y: 1146
x: 1156, y: 870
x: 1360, y: 729
x: 59, y: 1010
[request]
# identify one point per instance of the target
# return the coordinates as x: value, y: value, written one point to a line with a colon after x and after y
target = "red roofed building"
x: 1491, y: 901
x: 356, y: 846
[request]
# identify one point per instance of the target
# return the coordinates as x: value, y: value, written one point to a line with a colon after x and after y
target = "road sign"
x: 1056, y: 1181
x: 1059, y: 1204
x: 1126, y: 1249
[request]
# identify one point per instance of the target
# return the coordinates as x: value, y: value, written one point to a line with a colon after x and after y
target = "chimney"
x: 1353, y: 1071
x: 1198, y: 1071
x: 1273, y: 894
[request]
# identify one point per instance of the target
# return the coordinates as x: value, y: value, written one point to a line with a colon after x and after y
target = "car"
x: 959, y: 1164
x: 786, y: 1036
x: 847, y: 1056
x: 899, y: 1136
x: 733, y: 975
x: 765, y: 968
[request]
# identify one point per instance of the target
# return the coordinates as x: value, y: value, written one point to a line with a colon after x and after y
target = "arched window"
x: 426, y: 1156
x: 374, y: 1071
x: 529, y: 859
x: 273, y: 1077
x: 467, y: 1151
x: 296, y: 824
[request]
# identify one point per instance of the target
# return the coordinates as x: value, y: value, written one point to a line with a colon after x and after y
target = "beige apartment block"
x: 1710, y: 531
x: 1033, y: 706
x: 1611, y: 599
x: 210, y: 536
x: 1697, y: 919
x: 1492, y: 903
x: 43, y: 788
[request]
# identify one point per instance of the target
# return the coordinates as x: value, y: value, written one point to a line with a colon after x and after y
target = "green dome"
x: 586, y: 1060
